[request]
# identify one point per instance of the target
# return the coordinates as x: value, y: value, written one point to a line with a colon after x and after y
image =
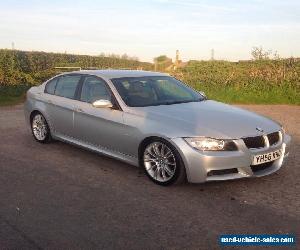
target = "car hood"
x: 207, y: 118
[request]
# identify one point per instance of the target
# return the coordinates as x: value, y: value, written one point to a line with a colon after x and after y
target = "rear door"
x: 61, y: 103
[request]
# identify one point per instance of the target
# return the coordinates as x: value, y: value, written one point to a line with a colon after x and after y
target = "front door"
x: 101, y: 127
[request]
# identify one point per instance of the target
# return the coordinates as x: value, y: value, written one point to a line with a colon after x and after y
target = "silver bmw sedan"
x: 153, y: 120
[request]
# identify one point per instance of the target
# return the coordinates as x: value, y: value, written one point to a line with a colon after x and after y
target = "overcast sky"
x: 148, y: 28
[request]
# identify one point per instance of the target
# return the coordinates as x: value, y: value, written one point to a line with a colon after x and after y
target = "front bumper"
x: 226, y: 165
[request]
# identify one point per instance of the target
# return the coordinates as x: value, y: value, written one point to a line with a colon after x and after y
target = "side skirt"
x: 101, y: 150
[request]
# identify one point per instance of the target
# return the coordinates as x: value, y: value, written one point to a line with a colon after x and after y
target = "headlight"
x: 210, y: 144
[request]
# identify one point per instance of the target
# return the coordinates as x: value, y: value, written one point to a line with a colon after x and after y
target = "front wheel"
x: 163, y: 164
x: 40, y: 128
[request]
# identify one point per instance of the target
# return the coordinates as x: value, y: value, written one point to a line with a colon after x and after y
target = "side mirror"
x: 102, y: 104
x: 203, y: 94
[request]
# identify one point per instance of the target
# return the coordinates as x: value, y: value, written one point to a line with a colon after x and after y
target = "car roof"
x: 110, y: 74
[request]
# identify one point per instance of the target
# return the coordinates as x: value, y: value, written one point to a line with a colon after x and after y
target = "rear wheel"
x: 163, y: 164
x: 40, y: 128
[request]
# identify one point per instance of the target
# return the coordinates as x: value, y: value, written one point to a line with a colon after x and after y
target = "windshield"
x: 154, y: 90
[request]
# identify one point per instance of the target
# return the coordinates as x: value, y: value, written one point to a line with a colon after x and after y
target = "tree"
x: 162, y: 62
x: 125, y: 56
x: 161, y: 59
x: 258, y: 53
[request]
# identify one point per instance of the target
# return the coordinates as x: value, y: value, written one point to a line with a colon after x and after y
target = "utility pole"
x: 212, y: 58
x: 177, y: 58
x: 176, y: 64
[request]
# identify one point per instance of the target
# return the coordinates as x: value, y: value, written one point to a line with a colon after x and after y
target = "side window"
x: 66, y: 86
x: 94, y: 89
x: 50, y: 86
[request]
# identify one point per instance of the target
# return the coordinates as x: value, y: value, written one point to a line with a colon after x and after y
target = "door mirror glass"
x: 102, y: 104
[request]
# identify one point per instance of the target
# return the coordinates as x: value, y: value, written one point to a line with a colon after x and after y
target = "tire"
x: 162, y: 163
x: 39, y: 128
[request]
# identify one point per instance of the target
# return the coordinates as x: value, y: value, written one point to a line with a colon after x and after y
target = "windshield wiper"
x: 177, y: 102
x: 170, y: 102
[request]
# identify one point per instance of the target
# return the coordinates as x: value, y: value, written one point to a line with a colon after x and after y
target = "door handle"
x: 79, y: 110
x: 49, y: 101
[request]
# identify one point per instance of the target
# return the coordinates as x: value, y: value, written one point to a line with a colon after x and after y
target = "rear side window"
x: 66, y: 86
x: 50, y: 86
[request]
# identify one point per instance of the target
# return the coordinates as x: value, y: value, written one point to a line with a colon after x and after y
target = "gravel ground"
x: 57, y: 196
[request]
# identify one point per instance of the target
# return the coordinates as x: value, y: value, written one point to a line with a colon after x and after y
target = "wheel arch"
x: 182, y: 177
x: 152, y: 138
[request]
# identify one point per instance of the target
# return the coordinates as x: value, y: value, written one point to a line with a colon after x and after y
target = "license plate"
x: 263, y: 158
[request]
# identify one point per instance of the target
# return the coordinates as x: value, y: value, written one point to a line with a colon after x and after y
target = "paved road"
x: 58, y: 196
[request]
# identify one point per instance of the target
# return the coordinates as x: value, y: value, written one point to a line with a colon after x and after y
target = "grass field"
x: 12, y: 94
x: 264, y: 95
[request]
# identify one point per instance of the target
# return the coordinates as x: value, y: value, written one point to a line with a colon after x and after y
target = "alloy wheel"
x: 39, y: 127
x: 159, y: 161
